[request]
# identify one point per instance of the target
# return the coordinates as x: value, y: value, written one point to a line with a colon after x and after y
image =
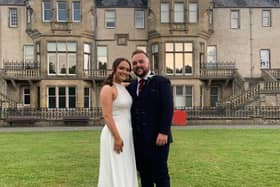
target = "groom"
x: 151, y: 113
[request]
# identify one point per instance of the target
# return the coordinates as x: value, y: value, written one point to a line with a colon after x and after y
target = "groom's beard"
x: 141, y: 72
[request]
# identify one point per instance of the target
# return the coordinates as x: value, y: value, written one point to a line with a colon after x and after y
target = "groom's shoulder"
x: 160, y: 78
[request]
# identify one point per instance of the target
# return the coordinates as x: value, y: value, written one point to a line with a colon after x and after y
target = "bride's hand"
x: 118, y: 146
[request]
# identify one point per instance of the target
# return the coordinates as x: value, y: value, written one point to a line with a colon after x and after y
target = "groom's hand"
x: 161, y: 139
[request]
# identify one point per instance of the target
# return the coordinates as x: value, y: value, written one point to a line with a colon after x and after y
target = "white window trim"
x: 73, y: 12
x: 57, y: 12
x: 43, y: 13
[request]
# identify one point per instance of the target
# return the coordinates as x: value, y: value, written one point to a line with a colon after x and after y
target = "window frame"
x: 266, y: 21
x: 155, y: 57
x: 180, y: 13
x: 164, y: 14
x: 185, y: 97
x: 87, y: 98
x: 138, y: 18
x: 58, y: 98
x: 74, y: 12
x: 215, y: 96
x: 98, y: 56
x: 24, y: 95
x: 235, y: 20
x: 265, y: 65
x: 110, y: 19
x: 87, y: 57
x: 28, y: 58
x: 62, y: 49
x: 193, y: 13
x: 13, y: 17
x: 214, y: 56
x: 44, y: 10
x: 58, y: 11
x: 184, y: 54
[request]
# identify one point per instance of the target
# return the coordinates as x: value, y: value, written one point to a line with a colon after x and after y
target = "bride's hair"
x: 109, y: 80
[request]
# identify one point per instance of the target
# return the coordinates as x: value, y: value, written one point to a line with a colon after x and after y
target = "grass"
x: 198, y: 157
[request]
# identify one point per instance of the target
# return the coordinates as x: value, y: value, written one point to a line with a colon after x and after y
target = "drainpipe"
x: 251, y: 45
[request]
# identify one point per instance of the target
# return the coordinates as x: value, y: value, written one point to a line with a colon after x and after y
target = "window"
x: 28, y: 51
x: 183, y: 96
x: 102, y: 58
x: 87, y: 97
x: 47, y: 11
x: 26, y: 96
x: 188, y: 95
x: 62, y: 58
x: 266, y: 18
x: 38, y: 53
x: 201, y: 54
x: 87, y: 57
x: 211, y: 54
x: 155, y: 57
x: 193, y: 13
x: 76, y: 11
x: 179, y: 58
x: 52, y: 97
x: 265, y: 58
x: 179, y: 13
x: 235, y: 19
x: 139, y: 19
x: 13, y: 17
x: 72, y: 97
x: 164, y: 13
x: 110, y: 19
x: 62, y: 11
x: 214, y: 96
x: 61, y: 97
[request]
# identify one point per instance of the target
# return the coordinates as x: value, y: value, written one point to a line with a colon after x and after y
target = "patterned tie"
x: 141, y: 84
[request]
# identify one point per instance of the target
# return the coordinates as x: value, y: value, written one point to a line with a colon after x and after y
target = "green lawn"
x: 198, y: 157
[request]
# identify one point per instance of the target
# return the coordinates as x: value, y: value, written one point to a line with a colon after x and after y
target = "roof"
x: 246, y: 3
x: 121, y: 3
x: 12, y: 2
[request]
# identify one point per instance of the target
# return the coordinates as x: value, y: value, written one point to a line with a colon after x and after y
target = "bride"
x: 117, y: 159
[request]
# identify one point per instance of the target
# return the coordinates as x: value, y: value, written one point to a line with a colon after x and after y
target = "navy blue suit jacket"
x: 152, y: 110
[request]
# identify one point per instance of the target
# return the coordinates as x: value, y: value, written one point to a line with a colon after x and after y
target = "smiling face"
x: 140, y: 64
x: 122, y: 71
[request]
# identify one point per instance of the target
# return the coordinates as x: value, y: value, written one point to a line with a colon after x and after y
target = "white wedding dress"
x: 118, y: 170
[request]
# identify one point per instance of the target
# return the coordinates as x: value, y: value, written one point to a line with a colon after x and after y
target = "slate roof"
x: 121, y: 3
x: 246, y: 3
x: 12, y: 2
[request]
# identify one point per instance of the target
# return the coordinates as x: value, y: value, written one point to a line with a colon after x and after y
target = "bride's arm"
x: 107, y: 95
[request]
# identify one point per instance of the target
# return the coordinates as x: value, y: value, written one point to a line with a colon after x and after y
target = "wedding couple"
x: 137, y: 132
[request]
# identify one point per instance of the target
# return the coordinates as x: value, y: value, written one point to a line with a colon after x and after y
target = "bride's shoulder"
x: 106, y: 89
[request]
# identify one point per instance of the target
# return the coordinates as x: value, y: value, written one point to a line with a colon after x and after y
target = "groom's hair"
x: 139, y: 51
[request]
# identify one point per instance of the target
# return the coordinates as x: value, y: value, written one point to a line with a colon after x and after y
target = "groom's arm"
x: 166, y: 108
